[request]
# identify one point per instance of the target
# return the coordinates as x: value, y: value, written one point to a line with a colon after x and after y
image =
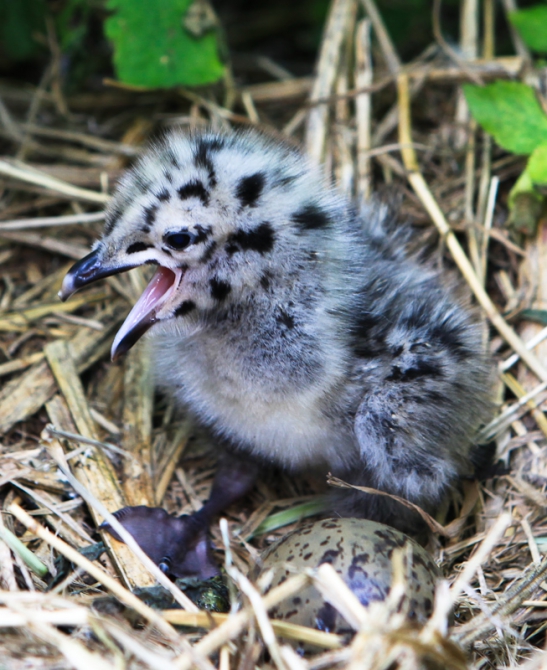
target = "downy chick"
x: 294, y: 325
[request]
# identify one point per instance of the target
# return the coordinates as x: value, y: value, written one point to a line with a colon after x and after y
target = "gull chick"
x: 295, y: 325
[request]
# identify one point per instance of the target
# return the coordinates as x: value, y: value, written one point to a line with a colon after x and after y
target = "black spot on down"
x: 419, y: 368
x: 311, y: 217
x: 137, y: 246
x: 260, y: 239
x: 163, y: 195
x: 185, y: 308
x: 285, y: 319
x: 194, y: 189
x: 150, y: 214
x: 250, y: 189
x: 208, y: 253
x: 202, y: 233
x: 202, y: 157
x: 219, y: 289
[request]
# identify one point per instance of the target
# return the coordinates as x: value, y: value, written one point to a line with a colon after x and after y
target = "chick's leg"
x: 180, y: 545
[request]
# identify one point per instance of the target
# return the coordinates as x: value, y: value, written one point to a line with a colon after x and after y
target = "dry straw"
x: 114, y: 443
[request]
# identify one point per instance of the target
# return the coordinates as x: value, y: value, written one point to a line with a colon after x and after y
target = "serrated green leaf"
x: 532, y: 26
x: 510, y: 112
x: 154, y: 49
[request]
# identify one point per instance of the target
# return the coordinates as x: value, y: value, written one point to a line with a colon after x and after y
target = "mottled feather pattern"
x: 303, y: 332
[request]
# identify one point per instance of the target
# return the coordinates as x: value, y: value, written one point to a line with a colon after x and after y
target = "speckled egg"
x: 360, y: 551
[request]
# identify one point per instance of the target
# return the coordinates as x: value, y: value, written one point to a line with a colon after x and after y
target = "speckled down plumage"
x: 294, y: 324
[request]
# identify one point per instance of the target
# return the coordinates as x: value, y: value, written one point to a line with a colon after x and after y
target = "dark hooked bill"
x: 87, y: 270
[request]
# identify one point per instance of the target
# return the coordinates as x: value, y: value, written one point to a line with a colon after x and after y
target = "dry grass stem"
x: 420, y: 187
x: 327, y: 68
x: 530, y: 344
x: 109, y: 582
x: 130, y: 547
x: 82, y: 436
x: 48, y: 221
x: 388, y: 50
x: 518, y: 43
x: 137, y: 428
x: 27, y: 174
x: 363, y: 104
x: 285, y: 630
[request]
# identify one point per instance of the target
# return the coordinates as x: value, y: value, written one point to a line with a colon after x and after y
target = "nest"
x: 64, y: 408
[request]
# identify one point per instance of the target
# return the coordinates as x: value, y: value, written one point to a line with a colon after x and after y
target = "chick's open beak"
x: 144, y: 313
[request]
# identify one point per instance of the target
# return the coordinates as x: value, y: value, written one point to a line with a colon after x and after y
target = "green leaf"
x: 510, y: 112
x: 536, y: 315
x: 154, y: 49
x: 525, y: 207
x: 527, y: 197
x: 537, y: 166
x: 291, y: 515
x: 30, y: 559
x: 532, y: 26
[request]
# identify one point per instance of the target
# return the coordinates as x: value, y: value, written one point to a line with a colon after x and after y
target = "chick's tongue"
x: 143, y: 314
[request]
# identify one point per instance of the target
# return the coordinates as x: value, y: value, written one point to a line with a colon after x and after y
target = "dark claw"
x: 178, y: 545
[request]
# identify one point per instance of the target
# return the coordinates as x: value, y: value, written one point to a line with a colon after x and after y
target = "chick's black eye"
x: 179, y: 241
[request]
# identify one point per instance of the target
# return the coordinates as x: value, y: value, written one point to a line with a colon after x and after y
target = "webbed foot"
x: 178, y: 545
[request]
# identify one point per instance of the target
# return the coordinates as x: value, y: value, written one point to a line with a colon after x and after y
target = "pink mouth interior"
x: 144, y: 310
